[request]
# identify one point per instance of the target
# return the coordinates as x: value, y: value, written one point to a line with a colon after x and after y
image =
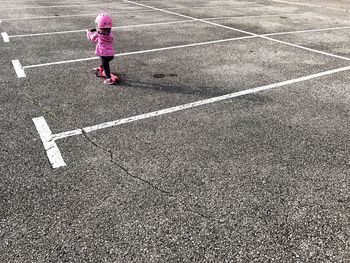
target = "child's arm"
x: 92, y: 36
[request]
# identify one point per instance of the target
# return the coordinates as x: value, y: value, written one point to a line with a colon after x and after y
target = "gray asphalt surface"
x: 258, y: 178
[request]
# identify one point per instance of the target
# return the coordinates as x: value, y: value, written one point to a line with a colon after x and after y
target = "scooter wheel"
x: 96, y: 72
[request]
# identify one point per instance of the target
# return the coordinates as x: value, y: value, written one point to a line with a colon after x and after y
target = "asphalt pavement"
x: 226, y: 140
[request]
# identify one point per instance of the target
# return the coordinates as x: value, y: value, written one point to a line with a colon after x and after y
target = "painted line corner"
x: 52, y: 151
x: 18, y: 68
x: 5, y: 37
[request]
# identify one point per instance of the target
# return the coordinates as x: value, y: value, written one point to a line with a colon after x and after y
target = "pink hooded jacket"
x: 104, y: 44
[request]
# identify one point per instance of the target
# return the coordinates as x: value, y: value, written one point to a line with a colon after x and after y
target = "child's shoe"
x: 109, y: 82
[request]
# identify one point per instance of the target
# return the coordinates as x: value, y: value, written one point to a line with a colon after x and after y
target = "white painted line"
x: 20, y: 1
x: 190, y: 45
x: 307, y: 31
x: 65, y: 16
x: 19, y: 69
x: 241, y: 31
x: 185, y: 16
x: 114, y: 28
x: 13, y: 1
x: 120, y: 12
x: 48, y: 33
x: 253, y: 16
x: 312, y: 5
x: 52, y: 151
x: 184, y: 21
x: 5, y: 37
x: 60, y: 62
x: 105, y: 125
x: 149, y: 24
x: 306, y: 48
x: 140, y: 52
x: 52, y: 6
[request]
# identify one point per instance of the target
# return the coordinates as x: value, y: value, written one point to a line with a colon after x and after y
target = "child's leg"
x: 105, y: 65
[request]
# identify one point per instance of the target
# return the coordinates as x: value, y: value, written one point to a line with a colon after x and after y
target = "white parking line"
x: 19, y: 69
x: 114, y: 28
x: 21, y: 1
x: 119, y: 12
x: 21, y: 74
x: 53, y: 6
x: 149, y: 24
x: 239, y: 30
x: 139, y: 52
x: 55, y: 156
x: 186, y: 16
x: 308, y: 31
x: 5, y: 37
x: 65, y: 16
x: 312, y: 5
x: 52, y: 151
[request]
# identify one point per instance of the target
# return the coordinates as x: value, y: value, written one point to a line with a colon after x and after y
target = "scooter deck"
x: 114, y: 77
x: 99, y: 72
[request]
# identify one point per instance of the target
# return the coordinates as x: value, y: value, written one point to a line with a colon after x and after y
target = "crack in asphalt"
x: 123, y: 168
x: 150, y: 184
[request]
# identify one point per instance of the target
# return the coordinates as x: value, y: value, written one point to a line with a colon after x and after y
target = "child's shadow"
x: 202, y: 91
x: 168, y: 87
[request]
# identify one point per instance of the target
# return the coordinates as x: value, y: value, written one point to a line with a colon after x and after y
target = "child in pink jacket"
x: 103, y: 38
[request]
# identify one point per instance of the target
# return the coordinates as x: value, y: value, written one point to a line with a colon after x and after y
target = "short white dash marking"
x: 52, y: 151
x: 5, y: 37
x: 18, y: 68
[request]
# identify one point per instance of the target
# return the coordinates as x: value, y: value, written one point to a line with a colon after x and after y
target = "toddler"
x: 103, y: 38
